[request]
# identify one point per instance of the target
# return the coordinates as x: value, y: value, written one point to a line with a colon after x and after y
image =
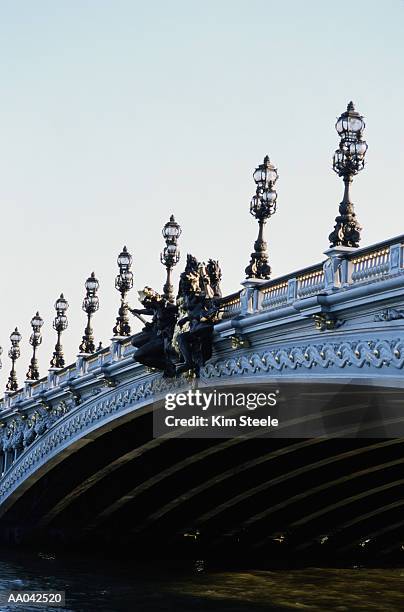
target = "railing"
x: 310, y: 283
x: 360, y: 266
x: 370, y: 265
x: 231, y: 305
x: 275, y: 295
x: 64, y: 378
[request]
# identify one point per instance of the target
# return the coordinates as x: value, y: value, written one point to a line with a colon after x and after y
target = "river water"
x: 114, y: 586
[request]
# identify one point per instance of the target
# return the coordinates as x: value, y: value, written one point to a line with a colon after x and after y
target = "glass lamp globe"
x: 358, y: 148
x: 171, y: 230
x: 171, y: 249
x: 266, y: 174
x: 269, y: 196
x: 339, y: 160
x: 35, y: 338
x: 124, y: 258
x: 61, y: 304
x: 350, y: 124
x: 61, y: 321
x: 91, y: 303
x: 15, y: 337
x: 127, y: 277
x: 36, y: 321
x: 92, y: 283
x: 255, y: 205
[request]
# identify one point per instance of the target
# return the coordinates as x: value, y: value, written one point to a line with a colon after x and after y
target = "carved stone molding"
x: 389, y: 314
x: 357, y: 354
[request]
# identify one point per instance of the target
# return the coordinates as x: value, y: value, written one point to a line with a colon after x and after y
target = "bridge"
x: 78, y: 453
x: 80, y: 465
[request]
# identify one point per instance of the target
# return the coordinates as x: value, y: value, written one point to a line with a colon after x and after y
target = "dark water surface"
x: 115, y: 586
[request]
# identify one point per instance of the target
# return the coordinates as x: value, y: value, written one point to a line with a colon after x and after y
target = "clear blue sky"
x: 114, y: 114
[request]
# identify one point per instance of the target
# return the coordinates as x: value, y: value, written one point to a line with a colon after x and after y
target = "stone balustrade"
x: 343, y: 268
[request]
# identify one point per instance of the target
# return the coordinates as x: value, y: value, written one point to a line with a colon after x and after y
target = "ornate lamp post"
x: 348, y: 160
x: 123, y: 283
x: 90, y: 306
x: 59, y: 324
x: 263, y: 206
x: 170, y: 255
x: 35, y: 340
x: 13, y: 353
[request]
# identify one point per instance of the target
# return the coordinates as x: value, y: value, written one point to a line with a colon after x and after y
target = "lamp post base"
x: 258, y: 268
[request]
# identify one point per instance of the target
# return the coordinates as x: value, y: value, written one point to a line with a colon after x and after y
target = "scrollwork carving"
x: 389, y: 314
x: 356, y: 354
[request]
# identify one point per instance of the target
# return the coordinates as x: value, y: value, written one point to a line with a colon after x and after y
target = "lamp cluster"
x: 170, y: 255
x: 13, y: 353
x: 35, y: 340
x: 262, y: 207
x: 348, y: 160
x: 60, y: 323
x: 123, y: 283
x: 90, y: 305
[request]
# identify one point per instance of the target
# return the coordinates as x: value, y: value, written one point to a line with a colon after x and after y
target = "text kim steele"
x: 220, y: 421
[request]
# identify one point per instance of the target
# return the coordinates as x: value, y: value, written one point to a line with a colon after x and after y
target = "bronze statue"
x: 198, y: 303
x: 154, y: 342
x: 179, y: 336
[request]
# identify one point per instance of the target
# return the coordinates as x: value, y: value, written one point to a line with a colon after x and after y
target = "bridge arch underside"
x: 241, y: 499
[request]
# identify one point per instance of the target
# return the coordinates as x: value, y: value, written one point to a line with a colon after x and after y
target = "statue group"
x: 178, y: 338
